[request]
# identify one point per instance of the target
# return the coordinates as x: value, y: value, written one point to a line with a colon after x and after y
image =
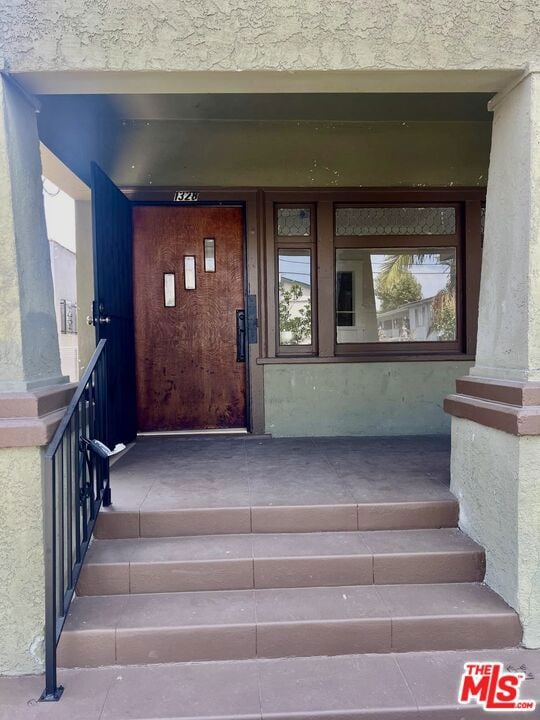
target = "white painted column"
x: 496, y: 473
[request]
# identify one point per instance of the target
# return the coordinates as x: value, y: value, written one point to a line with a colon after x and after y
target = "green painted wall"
x: 394, y: 398
x: 298, y: 154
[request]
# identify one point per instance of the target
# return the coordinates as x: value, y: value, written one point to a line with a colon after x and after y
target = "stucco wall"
x: 272, y: 35
x: 86, y: 334
x: 21, y: 561
x: 495, y: 478
x: 29, y: 354
x: 397, y: 398
x: 288, y: 154
x: 509, y: 319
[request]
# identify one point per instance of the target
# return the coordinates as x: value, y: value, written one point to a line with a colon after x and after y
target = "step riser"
x: 245, y: 574
x: 272, y: 640
x: 332, y: 518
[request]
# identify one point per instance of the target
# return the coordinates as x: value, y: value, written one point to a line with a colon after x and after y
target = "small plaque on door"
x: 186, y: 196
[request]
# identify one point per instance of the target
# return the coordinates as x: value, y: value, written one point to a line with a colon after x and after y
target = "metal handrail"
x: 76, y: 485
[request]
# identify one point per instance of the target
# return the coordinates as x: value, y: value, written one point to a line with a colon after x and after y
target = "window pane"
x: 169, y: 291
x: 209, y: 255
x: 294, y: 272
x: 293, y: 221
x: 396, y: 221
x: 395, y: 295
x: 189, y: 272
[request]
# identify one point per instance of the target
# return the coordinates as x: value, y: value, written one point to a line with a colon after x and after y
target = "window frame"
x: 467, y: 239
x: 397, y: 242
x: 296, y: 242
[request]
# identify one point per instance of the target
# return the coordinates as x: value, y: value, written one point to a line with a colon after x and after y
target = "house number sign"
x: 186, y: 196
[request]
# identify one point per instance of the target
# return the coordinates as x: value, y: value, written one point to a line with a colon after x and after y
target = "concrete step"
x: 166, y: 521
x: 355, y: 687
x: 284, y: 622
x: 237, y: 562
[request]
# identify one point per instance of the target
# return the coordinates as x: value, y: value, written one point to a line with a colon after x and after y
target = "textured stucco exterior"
x: 494, y: 474
x: 21, y: 561
x: 133, y: 46
x: 359, y: 398
x: 233, y: 35
x: 509, y: 320
x: 29, y: 358
x: 495, y: 478
x: 29, y: 355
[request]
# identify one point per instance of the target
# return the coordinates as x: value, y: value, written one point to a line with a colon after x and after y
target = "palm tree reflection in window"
x: 398, y: 266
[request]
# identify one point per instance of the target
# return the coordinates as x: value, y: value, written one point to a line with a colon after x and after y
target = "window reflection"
x: 294, y: 276
x: 396, y: 295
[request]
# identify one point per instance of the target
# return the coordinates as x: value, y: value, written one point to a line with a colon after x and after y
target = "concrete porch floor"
x: 353, y: 687
x: 166, y: 489
x: 247, y: 478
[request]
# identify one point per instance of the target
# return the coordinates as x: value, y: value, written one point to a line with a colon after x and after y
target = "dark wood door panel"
x: 186, y: 370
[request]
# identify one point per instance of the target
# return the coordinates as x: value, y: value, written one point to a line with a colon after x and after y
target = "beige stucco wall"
x: 495, y: 478
x: 86, y: 335
x: 289, y: 154
x: 21, y: 561
x: 509, y: 320
x: 29, y: 355
x: 234, y: 35
x: 399, y: 398
x: 495, y: 474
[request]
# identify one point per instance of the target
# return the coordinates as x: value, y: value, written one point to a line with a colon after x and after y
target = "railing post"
x: 102, y: 394
x: 53, y: 691
x: 85, y: 412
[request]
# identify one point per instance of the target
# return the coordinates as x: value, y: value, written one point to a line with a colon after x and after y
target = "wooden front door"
x: 188, y: 372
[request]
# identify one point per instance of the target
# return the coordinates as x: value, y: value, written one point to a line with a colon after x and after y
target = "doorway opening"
x: 189, y: 317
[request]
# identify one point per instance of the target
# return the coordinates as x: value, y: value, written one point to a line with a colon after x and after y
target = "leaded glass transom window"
x: 293, y: 222
x: 395, y: 221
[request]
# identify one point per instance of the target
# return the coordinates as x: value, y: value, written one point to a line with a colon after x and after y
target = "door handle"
x: 99, y: 317
x: 240, y: 336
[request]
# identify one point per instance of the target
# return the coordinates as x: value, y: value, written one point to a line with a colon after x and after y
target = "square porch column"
x: 33, y: 392
x: 496, y: 409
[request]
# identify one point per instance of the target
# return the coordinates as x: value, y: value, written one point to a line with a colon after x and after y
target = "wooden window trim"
x: 466, y: 240
x: 298, y: 242
x: 367, y: 242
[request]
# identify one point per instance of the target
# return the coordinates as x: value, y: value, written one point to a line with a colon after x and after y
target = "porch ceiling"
x: 264, y: 81
x: 272, y: 140
x: 340, y: 107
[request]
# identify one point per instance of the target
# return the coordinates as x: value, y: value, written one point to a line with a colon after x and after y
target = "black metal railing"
x: 76, y: 484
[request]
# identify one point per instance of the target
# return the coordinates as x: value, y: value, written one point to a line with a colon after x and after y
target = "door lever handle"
x: 240, y: 336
